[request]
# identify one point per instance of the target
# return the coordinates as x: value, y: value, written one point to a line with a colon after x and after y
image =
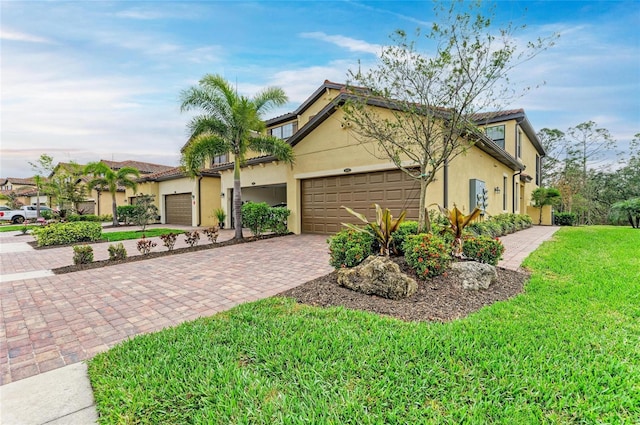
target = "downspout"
x: 513, y: 190
x: 199, y: 201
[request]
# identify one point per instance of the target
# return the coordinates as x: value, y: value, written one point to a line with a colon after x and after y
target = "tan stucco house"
x: 180, y: 199
x: 332, y: 168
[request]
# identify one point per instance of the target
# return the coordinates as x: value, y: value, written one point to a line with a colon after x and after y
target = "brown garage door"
x: 178, y: 208
x: 322, y: 198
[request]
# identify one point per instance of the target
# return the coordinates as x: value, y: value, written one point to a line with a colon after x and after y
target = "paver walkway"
x: 54, y: 321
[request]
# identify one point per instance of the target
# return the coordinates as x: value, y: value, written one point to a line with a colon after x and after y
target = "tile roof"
x: 173, y: 173
x: 28, y: 181
x: 143, y: 167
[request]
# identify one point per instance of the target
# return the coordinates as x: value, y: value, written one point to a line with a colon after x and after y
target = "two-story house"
x: 333, y: 168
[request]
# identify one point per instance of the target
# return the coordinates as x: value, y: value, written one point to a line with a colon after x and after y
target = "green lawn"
x: 15, y: 227
x: 566, y: 351
x: 137, y: 234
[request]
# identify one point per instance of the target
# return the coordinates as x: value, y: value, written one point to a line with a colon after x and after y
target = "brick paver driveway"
x: 54, y: 321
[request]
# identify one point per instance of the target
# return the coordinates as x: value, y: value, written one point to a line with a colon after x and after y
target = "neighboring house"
x: 99, y: 201
x: 180, y: 199
x: 332, y: 169
x: 25, y: 189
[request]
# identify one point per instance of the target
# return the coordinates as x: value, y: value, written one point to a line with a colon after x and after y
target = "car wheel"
x: 18, y: 220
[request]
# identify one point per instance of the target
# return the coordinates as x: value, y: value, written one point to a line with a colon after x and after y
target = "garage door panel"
x: 178, y: 209
x: 390, y: 189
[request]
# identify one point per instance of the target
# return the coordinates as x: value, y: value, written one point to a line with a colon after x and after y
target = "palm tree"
x: 107, y: 179
x: 227, y: 123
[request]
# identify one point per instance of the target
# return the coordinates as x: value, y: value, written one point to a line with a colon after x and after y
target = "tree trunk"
x: 237, y: 198
x: 114, y: 209
x: 424, y: 224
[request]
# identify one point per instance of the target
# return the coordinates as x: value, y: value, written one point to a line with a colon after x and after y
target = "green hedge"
x: 83, y: 217
x: 565, y: 219
x: 259, y: 217
x: 483, y: 249
x: 67, y: 233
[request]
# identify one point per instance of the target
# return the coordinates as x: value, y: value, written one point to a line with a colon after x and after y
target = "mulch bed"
x: 437, y: 299
x: 105, y: 263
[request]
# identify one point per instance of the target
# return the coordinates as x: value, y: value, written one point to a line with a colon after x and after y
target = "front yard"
x: 567, y: 350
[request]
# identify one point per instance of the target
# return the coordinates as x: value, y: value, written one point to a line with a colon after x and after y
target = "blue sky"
x: 91, y: 80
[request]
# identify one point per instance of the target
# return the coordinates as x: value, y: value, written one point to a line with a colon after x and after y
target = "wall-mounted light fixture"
x: 496, y: 189
x: 222, y: 195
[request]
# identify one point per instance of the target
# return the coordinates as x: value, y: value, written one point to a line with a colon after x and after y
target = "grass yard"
x: 15, y: 227
x: 566, y: 351
x: 137, y: 234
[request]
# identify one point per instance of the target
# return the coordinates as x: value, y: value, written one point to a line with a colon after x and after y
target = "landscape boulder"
x: 378, y: 276
x: 472, y: 275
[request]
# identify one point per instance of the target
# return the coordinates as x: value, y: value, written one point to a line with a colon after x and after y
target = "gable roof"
x: 172, y: 174
x: 18, y: 181
x: 143, y: 167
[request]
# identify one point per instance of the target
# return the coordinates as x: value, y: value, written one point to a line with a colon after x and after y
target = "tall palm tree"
x: 229, y: 122
x: 107, y: 179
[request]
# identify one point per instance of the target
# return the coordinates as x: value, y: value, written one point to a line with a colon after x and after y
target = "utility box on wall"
x: 478, y: 195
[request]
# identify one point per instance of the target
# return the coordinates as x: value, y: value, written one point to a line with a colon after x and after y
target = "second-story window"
x: 220, y: 159
x: 496, y: 133
x: 518, y: 143
x: 284, y: 131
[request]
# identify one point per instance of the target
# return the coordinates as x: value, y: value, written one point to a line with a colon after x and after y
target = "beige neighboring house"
x: 25, y: 188
x: 99, y: 201
x: 181, y: 199
x: 332, y: 169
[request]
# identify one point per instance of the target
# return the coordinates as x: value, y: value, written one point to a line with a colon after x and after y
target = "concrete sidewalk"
x: 112, y: 309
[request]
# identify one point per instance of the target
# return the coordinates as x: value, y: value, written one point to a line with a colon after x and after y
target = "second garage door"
x: 322, y: 198
x: 178, y: 209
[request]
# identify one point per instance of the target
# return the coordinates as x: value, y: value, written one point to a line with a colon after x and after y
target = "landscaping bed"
x: 105, y: 263
x: 437, y: 299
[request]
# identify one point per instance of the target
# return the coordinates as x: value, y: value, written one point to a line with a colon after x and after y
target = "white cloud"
x: 9, y: 35
x: 348, y: 43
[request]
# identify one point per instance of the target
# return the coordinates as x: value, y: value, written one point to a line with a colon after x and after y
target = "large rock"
x: 473, y: 275
x: 378, y: 276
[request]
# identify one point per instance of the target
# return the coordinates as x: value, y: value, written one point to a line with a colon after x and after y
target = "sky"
x: 88, y: 80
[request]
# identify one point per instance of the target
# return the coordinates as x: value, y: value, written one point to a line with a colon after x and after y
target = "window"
x: 538, y: 170
x: 518, y: 143
x: 496, y: 133
x: 220, y: 159
x: 284, y: 131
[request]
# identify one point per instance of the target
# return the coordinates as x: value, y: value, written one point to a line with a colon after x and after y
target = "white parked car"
x: 23, y: 213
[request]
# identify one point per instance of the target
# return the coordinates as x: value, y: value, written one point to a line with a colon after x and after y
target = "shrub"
x: 278, y: 220
x: 67, y: 233
x: 105, y: 218
x: 46, y: 214
x: 169, y: 240
x: 117, y: 252
x: 405, y: 229
x: 146, y: 245
x: 348, y: 248
x: 428, y: 254
x: 83, y: 217
x: 82, y: 254
x: 192, y: 238
x: 256, y: 216
x: 126, y: 213
x: 564, y: 219
x: 211, y: 233
x: 145, y: 212
x: 483, y: 249
x: 382, y: 228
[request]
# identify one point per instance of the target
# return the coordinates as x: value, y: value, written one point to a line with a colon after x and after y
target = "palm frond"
x: 200, y: 149
x: 271, y: 145
x: 269, y: 98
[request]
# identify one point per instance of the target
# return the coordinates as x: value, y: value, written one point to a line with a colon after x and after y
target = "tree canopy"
x: 432, y: 100
x: 229, y: 123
